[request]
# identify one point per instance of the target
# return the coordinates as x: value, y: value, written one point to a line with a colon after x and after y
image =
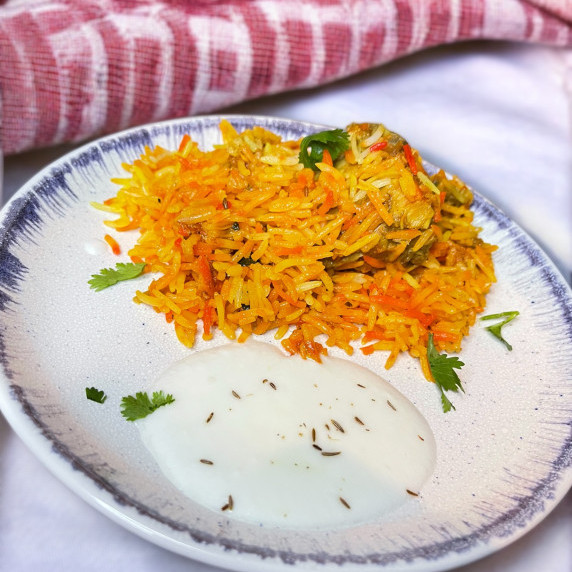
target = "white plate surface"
x: 504, y: 456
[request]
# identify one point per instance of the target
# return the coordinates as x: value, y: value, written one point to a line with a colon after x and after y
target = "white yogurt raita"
x: 281, y: 441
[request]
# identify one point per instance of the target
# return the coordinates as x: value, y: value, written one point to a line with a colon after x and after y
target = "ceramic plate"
x: 504, y: 457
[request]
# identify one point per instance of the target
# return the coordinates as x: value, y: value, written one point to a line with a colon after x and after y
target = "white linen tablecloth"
x: 498, y: 115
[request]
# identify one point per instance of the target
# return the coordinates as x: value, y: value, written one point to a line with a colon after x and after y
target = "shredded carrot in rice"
x: 368, y: 250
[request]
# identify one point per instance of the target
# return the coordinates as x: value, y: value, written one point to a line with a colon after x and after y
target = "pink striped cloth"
x: 71, y: 70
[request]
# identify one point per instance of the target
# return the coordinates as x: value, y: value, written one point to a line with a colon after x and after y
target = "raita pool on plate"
x: 282, y: 441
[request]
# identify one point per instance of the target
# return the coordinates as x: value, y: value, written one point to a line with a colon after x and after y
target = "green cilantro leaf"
x: 139, y: 406
x: 495, y: 329
x: 110, y: 276
x: 95, y: 394
x: 443, y: 371
x: 312, y: 147
x: 246, y: 261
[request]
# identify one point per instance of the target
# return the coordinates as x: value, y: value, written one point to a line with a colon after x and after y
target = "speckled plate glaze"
x: 504, y: 457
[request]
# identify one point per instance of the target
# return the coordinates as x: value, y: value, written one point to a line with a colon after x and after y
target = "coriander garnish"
x: 95, y: 394
x: 443, y: 370
x: 140, y: 405
x: 247, y: 261
x: 110, y: 276
x: 312, y: 147
x: 495, y: 329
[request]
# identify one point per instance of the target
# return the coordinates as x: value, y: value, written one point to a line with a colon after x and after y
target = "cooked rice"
x: 370, y: 251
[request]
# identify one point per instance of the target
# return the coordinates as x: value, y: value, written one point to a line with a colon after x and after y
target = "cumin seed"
x: 229, y: 504
x: 360, y: 385
x: 313, y: 435
x: 330, y: 453
x: 272, y: 386
x: 359, y: 420
x: 211, y: 414
x: 264, y: 380
x: 206, y: 462
x: 345, y: 503
x: 420, y: 437
x: 411, y: 493
x: 337, y: 425
x: 317, y: 447
x: 235, y: 394
x: 391, y: 405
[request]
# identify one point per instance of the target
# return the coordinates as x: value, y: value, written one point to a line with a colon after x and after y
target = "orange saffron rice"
x: 369, y: 251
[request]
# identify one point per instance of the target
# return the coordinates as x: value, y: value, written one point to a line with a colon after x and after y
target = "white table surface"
x: 499, y: 116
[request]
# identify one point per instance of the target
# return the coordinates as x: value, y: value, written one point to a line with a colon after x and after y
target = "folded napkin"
x: 72, y: 70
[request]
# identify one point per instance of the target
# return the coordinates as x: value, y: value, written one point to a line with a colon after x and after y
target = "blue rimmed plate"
x: 504, y: 457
